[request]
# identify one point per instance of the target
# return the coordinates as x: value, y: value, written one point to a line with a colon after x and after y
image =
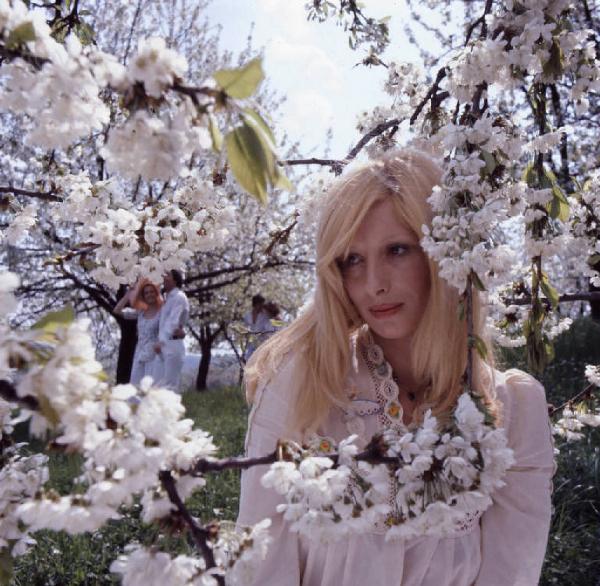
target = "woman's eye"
x: 352, y: 260
x: 398, y: 249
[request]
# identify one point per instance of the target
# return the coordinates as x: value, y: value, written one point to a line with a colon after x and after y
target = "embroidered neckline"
x: 386, y: 388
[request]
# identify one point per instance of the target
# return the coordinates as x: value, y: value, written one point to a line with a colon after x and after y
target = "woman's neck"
x: 150, y: 311
x: 398, y: 355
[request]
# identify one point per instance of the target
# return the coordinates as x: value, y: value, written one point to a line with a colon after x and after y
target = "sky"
x: 312, y: 64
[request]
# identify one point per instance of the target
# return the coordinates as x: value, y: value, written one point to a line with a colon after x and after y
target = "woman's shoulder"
x: 515, y: 385
x: 280, y: 373
x: 524, y: 406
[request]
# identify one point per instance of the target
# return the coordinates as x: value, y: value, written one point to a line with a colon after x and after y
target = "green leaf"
x: 24, y: 33
x: 594, y: 259
x: 490, y: 162
x: 549, y: 291
x: 477, y: 281
x: 481, y: 347
x: 51, y: 322
x: 530, y: 176
x: 281, y: 181
x: 47, y: 410
x: 555, y: 64
x: 277, y: 178
x: 241, y: 82
x: 248, y: 160
x: 558, y: 207
x: 253, y: 117
x: 215, y: 134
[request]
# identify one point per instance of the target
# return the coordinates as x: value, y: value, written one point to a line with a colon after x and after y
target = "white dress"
x: 504, y: 546
x: 144, y: 358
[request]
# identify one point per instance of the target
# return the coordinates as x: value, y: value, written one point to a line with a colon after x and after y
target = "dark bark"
x: 127, y: 345
x: 205, y: 356
x: 206, y: 339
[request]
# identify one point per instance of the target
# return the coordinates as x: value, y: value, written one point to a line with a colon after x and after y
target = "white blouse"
x: 504, y: 546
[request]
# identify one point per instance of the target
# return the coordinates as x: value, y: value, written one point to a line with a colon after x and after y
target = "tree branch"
x: 43, y: 195
x: 200, y: 535
x: 591, y: 296
x: 9, y: 393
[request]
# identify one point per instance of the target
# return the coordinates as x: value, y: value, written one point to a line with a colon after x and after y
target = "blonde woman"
x: 143, y: 303
x: 380, y: 343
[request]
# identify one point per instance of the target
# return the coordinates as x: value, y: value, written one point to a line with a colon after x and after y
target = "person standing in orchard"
x: 170, y: 347
x: 145, y: 302
x: 257, y: 323
x: 382, y: 349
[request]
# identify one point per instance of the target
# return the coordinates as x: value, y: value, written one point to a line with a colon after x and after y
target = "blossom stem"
x: 200, y: 535
x: 587, y: 391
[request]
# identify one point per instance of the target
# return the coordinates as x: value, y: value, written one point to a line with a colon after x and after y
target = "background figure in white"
x: 170, y: 348
x: 144, y: 302
x: 258, y: 322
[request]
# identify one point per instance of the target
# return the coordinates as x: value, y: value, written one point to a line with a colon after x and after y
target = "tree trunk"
x: 206, y: 340
x: 126, y: 350
x: 127, y: 345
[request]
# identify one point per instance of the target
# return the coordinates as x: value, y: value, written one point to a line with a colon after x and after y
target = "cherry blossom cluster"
x: 533, y: 38
x: 469, y: 208
x: 128, y: 436
x: 240, y: 549
x: 59, y: 89
x: 440, y: 475
x: 123, y: 240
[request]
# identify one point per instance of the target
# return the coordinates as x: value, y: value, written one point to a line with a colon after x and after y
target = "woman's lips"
x: 385, y: 310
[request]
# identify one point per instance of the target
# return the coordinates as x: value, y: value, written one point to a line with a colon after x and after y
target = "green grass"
x: 573, y: 557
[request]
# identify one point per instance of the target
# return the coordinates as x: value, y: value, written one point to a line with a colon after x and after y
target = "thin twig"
x: 577, y: 397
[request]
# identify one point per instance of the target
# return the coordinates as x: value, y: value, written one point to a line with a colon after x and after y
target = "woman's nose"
x: 377, y: 279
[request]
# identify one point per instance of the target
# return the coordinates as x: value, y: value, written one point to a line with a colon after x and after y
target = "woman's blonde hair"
x: 137, y: 295
x: 321, y: 335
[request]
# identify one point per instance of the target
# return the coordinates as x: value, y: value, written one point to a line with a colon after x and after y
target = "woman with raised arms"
x: 143, y: 304
x: 379, y: 346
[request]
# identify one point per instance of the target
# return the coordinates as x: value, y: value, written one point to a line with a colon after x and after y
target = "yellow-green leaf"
x: 48, y: 411
x: 54, y: 320
x: 281, y: 181
x: 490, y: 162
x: 24, y: 33
x: 248, y: 160
x: 215, y: 134
x: 241, y: 82
x: 555, y: 64
x: 549, y: 291
x: 558, y: 207
x: 477, y: 282
x: 254, y: 118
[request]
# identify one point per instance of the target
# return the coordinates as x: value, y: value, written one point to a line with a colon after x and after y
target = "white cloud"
x: 304, y: 64
x: 286, y: 17
x: 307, y: 113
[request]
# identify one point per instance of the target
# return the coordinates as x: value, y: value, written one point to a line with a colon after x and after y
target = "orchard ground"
x: 573, y: 556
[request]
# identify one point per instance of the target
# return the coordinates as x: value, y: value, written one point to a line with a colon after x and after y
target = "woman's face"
x: 149, y: 295
x: 386, y: 275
